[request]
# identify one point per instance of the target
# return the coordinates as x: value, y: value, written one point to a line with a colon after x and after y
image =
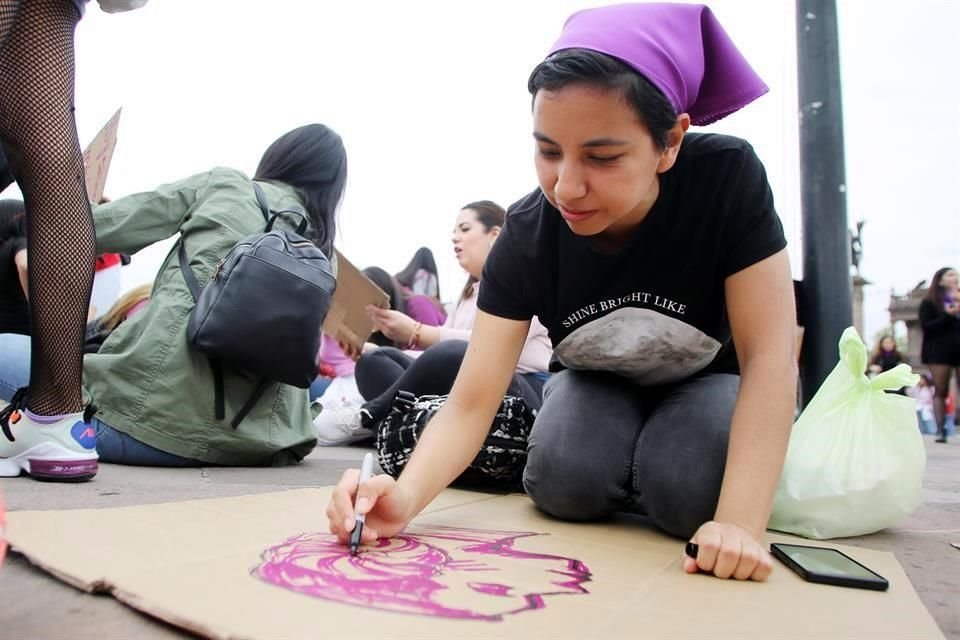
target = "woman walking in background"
x: 940, y: 322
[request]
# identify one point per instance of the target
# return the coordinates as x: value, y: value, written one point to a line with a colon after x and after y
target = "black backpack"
x: 262, y: 309
x: 500, y: 462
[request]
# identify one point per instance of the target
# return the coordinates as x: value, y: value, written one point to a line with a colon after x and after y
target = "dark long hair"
x: 311, y: 159
x: 879, y: 352
x: 390, y: 286
x: 935, y: 292
x: 398, y: 299
x: 586, y: 67
x: 490, y: 215
x: 422, y: 259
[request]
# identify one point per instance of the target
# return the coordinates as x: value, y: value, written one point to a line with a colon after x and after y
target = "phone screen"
x: 826, y: 562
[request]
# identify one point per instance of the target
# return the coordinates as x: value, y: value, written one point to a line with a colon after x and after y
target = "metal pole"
x: 826, y: 297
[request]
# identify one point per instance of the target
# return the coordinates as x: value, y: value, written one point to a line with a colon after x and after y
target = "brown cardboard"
x: 97, y: 157
x: 347, y: 319
x: 190, y: 563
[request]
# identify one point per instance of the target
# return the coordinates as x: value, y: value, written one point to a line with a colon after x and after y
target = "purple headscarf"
x: 680, y: 48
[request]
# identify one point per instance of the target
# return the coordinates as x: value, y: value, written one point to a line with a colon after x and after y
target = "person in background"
x: 126, y: 306
x: 106, y: 283
x: 886, y: 356
x: 381, y: 372
x: 154, y: 392
x: 420, y: 276
x: 923, y: 395
x: 657, y: 261
x: 14, y: 309
x: 14, y: 276
x: 419, y: 307
x: 940, y: 321
x: 950, y: 414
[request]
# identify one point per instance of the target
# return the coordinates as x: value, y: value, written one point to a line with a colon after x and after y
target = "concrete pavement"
x: 37, y: 606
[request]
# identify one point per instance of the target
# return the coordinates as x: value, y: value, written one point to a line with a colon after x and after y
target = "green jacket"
x: 146, y: 381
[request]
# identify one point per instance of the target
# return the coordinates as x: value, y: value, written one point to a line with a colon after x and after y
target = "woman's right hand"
x: 397, y: 326
x: 387, y: 506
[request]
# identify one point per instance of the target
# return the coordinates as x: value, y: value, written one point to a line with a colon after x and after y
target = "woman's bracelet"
x: 415, y: 338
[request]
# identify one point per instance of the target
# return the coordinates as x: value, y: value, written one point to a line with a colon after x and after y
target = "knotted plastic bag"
x: 855, y: 461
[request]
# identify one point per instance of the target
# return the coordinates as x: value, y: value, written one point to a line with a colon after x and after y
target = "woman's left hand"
x: 729, y: 551
x: 397, y: 326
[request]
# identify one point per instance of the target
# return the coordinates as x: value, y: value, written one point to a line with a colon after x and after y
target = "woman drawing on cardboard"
x: 648, y: 252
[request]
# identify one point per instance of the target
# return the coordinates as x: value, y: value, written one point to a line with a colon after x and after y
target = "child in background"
x: 923, y: 393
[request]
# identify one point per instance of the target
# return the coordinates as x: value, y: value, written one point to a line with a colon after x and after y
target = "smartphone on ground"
x: 827, y: 566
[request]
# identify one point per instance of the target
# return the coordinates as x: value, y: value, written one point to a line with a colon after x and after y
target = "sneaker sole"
x: 51, y: 462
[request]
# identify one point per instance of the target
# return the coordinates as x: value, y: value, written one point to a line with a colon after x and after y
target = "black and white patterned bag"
x: 499, y: 465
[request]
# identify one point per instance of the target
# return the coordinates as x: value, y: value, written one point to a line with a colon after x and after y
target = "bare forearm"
x: 448, y: 445
x: 21, y: 261
x: 430, y: 336
x: 759, y: 434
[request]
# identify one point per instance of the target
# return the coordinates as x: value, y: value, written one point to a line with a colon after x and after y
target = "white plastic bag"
x: 856, y: 459
x: 341, y: 393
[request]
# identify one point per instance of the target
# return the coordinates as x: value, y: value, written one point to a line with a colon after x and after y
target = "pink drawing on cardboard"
x: 464, y: 574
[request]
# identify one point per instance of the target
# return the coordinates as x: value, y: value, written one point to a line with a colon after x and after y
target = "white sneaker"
x: 65, y: 450
x: 342, y: 426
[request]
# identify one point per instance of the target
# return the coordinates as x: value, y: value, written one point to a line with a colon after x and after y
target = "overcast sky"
x: 431, y: 101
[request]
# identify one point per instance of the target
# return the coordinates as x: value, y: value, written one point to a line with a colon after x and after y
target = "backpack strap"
x: 271, y: 216
x: 215, y: 367
x: 262, y: 201
x: 251, y: 401
x: 188, y: 274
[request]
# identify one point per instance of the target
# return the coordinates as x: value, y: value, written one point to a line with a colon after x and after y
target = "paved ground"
x: 35, y: 605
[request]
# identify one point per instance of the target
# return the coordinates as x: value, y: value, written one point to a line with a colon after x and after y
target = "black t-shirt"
x: 654, y: 311
x: 14, y: 311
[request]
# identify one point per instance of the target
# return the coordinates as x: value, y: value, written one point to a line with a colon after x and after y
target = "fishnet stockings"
x: 39, y: 133
x: 941, y: 386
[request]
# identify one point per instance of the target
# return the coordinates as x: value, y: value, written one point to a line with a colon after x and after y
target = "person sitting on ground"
x: 657, y: 261
x: 421, y: 276
x: 418, y: 307
x: 382, y: 372
x: 126, y: 306
x: 14, y: 289
x: 886, y: 356
x: 154, y: 392
x: 341, y: 395
x: 14, y: 309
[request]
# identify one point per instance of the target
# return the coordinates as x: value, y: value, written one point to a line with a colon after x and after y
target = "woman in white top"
x: 381, y: 372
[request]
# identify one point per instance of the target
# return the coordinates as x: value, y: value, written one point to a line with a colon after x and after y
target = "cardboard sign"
x: 347, y: 320
x: 97, y: 157
x: 471, y: 565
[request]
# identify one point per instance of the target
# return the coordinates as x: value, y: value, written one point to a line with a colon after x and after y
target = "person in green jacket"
x: 153, y: 393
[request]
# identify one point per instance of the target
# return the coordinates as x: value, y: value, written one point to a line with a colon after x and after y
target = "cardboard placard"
x: 472, y: 565
x: 347, y: 320
x: 97, y: 157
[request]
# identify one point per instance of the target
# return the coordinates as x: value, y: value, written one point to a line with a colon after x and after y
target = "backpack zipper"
x: 219, y: 266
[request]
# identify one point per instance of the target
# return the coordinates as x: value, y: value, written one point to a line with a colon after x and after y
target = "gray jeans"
x: 602, y: 445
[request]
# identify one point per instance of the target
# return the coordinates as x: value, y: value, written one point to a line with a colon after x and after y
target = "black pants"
x: 381, y: 373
